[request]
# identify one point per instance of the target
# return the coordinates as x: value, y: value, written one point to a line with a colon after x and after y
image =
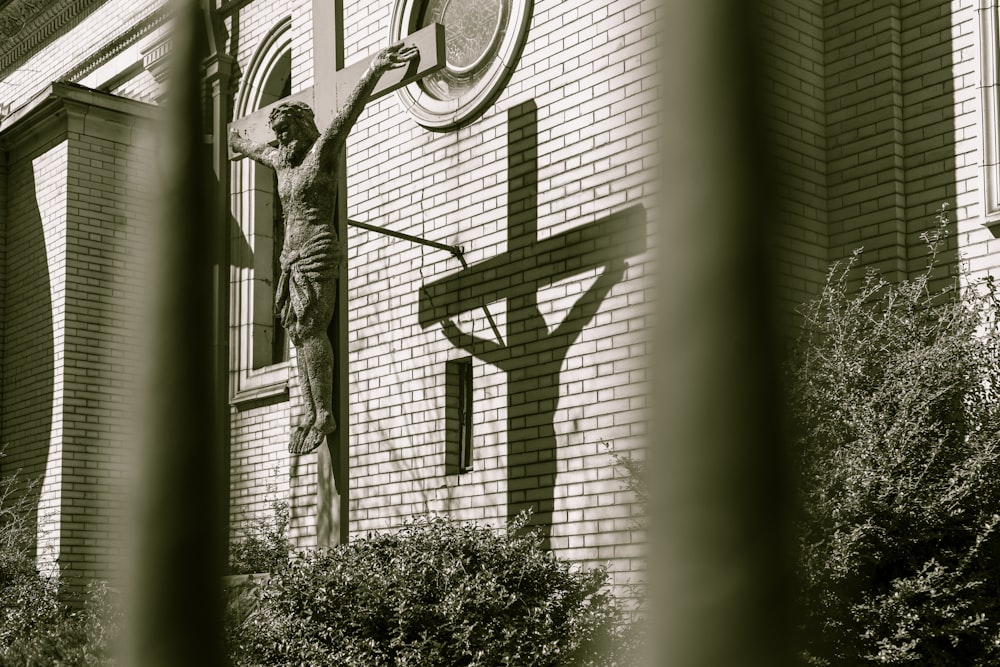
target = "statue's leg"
x: 308, y: 403
x: 318, y: 375
x: 317, y: 353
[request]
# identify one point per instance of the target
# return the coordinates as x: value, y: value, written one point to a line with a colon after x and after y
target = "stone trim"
x: 154, y: 59
x: 103, y: 115
x: 146, y: 25
x: 450, y: 113
x: 989, y: 51
x: 27, y: 24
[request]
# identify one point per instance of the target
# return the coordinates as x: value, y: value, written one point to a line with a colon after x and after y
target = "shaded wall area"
x: 75, y: 256
x: 32, y: 338
x: 860, y: 100
x: 792, y: 54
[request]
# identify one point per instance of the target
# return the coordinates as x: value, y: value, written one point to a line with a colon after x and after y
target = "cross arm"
x: 333, y: 87
x: 620, y: 235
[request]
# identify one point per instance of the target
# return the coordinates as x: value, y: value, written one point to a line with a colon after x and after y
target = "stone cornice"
x: 27, y: 24
x: 14, y: 14
x: 126, y: 39
x: 48, y: 106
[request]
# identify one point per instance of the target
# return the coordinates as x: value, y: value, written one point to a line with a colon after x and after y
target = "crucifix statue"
x: 308, y: 166
x: 312, y: 187
x: 306, y: 162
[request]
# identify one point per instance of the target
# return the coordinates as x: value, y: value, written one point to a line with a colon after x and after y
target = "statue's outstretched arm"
x: 333, y: 138
x: 586, y: 306
x: 483, y: 348
x: 261, y: 153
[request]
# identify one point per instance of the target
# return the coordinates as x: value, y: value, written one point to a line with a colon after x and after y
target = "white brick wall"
x: 72, y: 227
x: 877, y: 120
x: 33, y: 378
x: 590, y: 69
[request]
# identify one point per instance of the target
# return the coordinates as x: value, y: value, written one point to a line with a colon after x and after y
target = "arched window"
x: 260, y: 346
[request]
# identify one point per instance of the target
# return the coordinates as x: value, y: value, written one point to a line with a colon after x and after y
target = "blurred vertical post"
x: 719, y: 558
x: 176, y: 605
x: 218, y: 68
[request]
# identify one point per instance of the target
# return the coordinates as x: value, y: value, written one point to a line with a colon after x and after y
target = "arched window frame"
x: 989, y: 68
x: 256, y: 372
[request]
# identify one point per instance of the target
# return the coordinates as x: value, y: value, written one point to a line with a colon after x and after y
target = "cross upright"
x: 311, y: 293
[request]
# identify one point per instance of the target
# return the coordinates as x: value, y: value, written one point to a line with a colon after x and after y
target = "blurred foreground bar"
x: 719, y: 559
x: 176, y: 605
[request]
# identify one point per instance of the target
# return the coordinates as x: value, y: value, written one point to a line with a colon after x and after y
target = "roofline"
x: 58, y: 93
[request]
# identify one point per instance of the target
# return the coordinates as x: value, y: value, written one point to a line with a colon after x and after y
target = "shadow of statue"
x: 531, y: 355
x: 533, y: 390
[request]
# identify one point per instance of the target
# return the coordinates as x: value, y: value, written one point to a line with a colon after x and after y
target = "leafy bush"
x: 65, y: 635
x: 897, y: 426
x: 434, y: 593
x: 38, y: 626
x: 264, y: 546
x: 635, y: 479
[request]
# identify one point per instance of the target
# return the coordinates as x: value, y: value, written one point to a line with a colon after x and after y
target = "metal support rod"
x: 454, y: 250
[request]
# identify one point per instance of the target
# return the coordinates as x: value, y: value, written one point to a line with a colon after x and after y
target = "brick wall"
x: 74, y: 233
x: 34, y: 331
x: 588, y: 69
x: 877, y: 120
x: 979, y: 248
x: 584, y: 92
x: 3, y: 283
x: 794, y: 87
x: 105, y: 222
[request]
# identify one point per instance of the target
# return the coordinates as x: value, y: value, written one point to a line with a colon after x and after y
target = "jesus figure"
x: 306, y: 162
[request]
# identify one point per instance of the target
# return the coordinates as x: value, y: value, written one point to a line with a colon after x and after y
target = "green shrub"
x: 39, y: 627
x: 897, y: 425
x: 264, y: 546
x: 86, y: 635
x: 434, y: 593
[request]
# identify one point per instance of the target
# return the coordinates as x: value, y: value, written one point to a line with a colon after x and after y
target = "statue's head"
x: 295, y: 128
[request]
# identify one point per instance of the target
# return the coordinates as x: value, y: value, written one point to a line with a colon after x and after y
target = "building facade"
x: 881, y: 113
x: 495, y: 354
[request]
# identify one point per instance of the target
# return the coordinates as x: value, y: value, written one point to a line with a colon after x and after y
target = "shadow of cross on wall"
x: 530, y: 355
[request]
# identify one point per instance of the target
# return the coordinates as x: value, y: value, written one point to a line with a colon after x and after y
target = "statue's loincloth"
x: 316, y: 262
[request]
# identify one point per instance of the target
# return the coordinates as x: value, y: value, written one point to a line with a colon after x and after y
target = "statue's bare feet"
x: 325, y: 423
x: 295, y: 445
x: 311, y: 440
x: 305, y: 423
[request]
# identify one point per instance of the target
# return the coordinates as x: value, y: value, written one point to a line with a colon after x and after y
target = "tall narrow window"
x: 279, y: 340
x: 458, y: 411
x: 989, y: 37
x: 259, y: 344
x: 270, y: 345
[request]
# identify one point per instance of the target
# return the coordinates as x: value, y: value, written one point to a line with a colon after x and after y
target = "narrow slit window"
x: 459, y: 455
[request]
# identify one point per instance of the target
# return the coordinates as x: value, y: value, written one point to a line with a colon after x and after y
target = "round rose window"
x: 483, y: 39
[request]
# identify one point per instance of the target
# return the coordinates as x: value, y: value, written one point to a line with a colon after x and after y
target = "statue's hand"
x: 394, y: 56
x: 616, y: 269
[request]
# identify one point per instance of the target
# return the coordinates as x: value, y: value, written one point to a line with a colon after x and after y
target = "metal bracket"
x: 455, y: 250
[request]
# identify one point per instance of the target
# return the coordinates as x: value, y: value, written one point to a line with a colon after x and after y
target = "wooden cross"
x: 531, y: 355
x: 333, y: 85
